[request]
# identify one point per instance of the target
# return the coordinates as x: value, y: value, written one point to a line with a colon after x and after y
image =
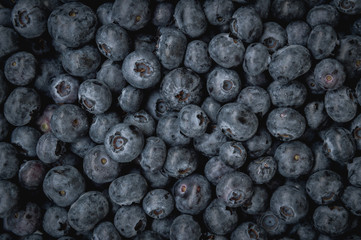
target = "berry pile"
x: 181, y: 120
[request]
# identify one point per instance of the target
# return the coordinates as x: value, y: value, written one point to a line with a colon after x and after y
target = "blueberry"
x: 321, y: 162
x: 168, y: 129
x: 290, y: 62
x: 324, y: 187
x: 163, y: 14
x: 287, y: 94
x: 141, y: 69
x: 105, y: 231
x: 94, y: 96
x: 180, y: 162
x: 81, y: 146
x: 234, y: 189
x: 10, y: 41
x: 99, y: 167
x: 286, y: 124
x: 209, y: 143
x: 288, y: 10
x: 223, y: 84
x: 323, y: 14
x: 297, y: 33
x: 69, y: 122
x: 354, y: 173
x: 331, y: 220
x: 350, y: 7
x: 9, y: 197
x: 158, y: 203
x: 350, y: 198
x: 184, y: 227
x: 236, y: 122
x: 55, y: 222
x: 197, y: 57
x: 257, y: 204
x: 162, y: 226
x: 193, y: 121
x: 349, y: 53
x: 322, y: 41
x: 218, y: 13
x: 124, y: 142
x: 210, y: 106
x: 25, y: 140
x: 104, y: 13
x: 192, y: 194
x: 130, y: 220
x: 315, y: 114
x: 157, y: 179
x: 274, y: 36
x: 153, y: 155
x: 189, y: 18
x: 31, y: 174
x: 111, y: 74
x: 180, y: 87
x: 246, y: 24
x: 72, y: 15
x: 29, y: 18
x: 9, y: 160
x: 262, y: 7
x: 289, y: 203
x: 262, y: 170
x: 20, y: 68
x: 338, y: 144
x: 226, y: 51
x: 128, y: 189
x: 130, y: 99
x: 131, y: 15
x: 329, y: 74
x: 256, y: 59
x: 113, y: 41
x: 294, y: 159
x: 258, y: 144
x: 255, y: 99
x: 24, y: 221
x: 21, y: 106
x: 49, y: 149
x: 248, y: 231
x: 171, y: 47
x: 233, y: 154
x: 63, y: 185
x: 90, y: 208
x: 271, y: 223
x: 82, y: 61
x: 215, y: 169
x: 64, y: 89
x: 219, y: 218
x: 341, y: 104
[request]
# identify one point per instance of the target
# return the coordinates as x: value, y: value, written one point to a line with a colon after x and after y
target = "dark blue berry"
x: 90, y: 208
